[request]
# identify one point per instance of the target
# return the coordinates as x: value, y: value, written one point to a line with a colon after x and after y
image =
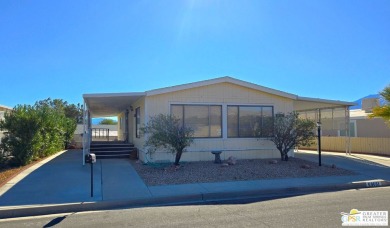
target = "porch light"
x: 319, y: 142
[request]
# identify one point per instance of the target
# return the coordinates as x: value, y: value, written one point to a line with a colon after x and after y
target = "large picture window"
x: 206, y: 120
x: 249, y: 121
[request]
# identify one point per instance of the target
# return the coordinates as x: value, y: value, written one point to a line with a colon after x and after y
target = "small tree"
x: 290, y: 131
x: 383, y: 111
x: 166, y: 131
x: 22, y: 134
x: 108, y: 122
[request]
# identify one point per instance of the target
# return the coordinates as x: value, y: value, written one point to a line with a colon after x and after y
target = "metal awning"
x: 110, y: 104
x: 306, y: 103
x: 332, y: 114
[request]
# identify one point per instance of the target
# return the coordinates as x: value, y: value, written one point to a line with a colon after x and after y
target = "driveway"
x: 65, y: 180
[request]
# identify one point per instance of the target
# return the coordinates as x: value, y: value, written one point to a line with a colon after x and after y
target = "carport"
x: 333, y: 116
x: 105, y: 105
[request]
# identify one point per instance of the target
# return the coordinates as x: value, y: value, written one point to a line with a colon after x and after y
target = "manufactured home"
x: 224, y: 113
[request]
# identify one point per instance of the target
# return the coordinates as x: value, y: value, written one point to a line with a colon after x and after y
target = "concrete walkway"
x: 120, y: 181
x: 62, y: 184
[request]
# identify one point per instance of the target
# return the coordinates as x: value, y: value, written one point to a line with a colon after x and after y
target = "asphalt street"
x: 313, y: 210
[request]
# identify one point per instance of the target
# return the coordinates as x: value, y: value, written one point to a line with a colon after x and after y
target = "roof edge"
x: 5, y: 107
x: 345, y: 103
x: 92, y: 95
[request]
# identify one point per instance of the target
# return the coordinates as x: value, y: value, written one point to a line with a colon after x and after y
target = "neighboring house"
x: 3, y: 109
x: 367, y: 135
x: 223, y: 112
x: 369, y: 127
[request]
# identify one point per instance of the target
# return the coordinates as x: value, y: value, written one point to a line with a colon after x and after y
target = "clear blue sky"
x: 333, y: 49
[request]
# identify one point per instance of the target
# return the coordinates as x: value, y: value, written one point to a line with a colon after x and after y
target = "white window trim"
x: 208, y: 104
x: 250, y: 105
x: 224, y: 114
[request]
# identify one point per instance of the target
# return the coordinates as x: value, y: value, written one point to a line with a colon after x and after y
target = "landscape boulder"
x: 231, y: 160
x: 273, y: 162
x: 224, y: 164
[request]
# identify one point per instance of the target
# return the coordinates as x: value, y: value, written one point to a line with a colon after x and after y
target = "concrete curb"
x: 22, y: 211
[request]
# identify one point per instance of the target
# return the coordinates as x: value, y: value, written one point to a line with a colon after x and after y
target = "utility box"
x: 90, y: 158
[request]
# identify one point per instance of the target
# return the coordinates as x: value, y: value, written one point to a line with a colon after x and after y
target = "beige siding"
x: 121, y: 126
x: 138, y: 142
x: 221, y: 94
x: 379, y: 146
x: 372, y: 128
x: 201, y: 149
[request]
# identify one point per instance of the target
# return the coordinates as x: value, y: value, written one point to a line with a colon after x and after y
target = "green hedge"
x: 37, y: 131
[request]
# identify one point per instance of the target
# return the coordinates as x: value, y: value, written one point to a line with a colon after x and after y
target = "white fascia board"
x: 93, y: 95
x: 335, y: 102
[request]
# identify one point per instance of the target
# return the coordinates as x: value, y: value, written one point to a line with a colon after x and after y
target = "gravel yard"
x: 254, y: 169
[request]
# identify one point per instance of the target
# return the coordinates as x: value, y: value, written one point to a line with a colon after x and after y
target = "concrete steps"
x: 106, y: 150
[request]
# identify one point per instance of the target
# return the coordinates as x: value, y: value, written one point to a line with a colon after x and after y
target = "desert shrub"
x: 37, y: 131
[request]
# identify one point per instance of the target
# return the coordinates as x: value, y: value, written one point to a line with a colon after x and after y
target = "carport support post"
x: 319, y: 142
x: 91, y: 179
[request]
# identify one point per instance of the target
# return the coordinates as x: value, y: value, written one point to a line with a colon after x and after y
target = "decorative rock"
x: 231, y: 160
x: 71, y: 147
x: 172, y: 168
x: 273, y: 162
x: 305, y: 166
x: 224, y: 165
x: 333, y: 166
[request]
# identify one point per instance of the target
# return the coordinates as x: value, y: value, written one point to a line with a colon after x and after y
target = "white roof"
x: 111, y: 104
x: 358, y: 114
x: 307, y: 103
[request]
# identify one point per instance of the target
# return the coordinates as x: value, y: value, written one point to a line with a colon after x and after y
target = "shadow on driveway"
x: 62, y: 180
x: 65, y: 180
